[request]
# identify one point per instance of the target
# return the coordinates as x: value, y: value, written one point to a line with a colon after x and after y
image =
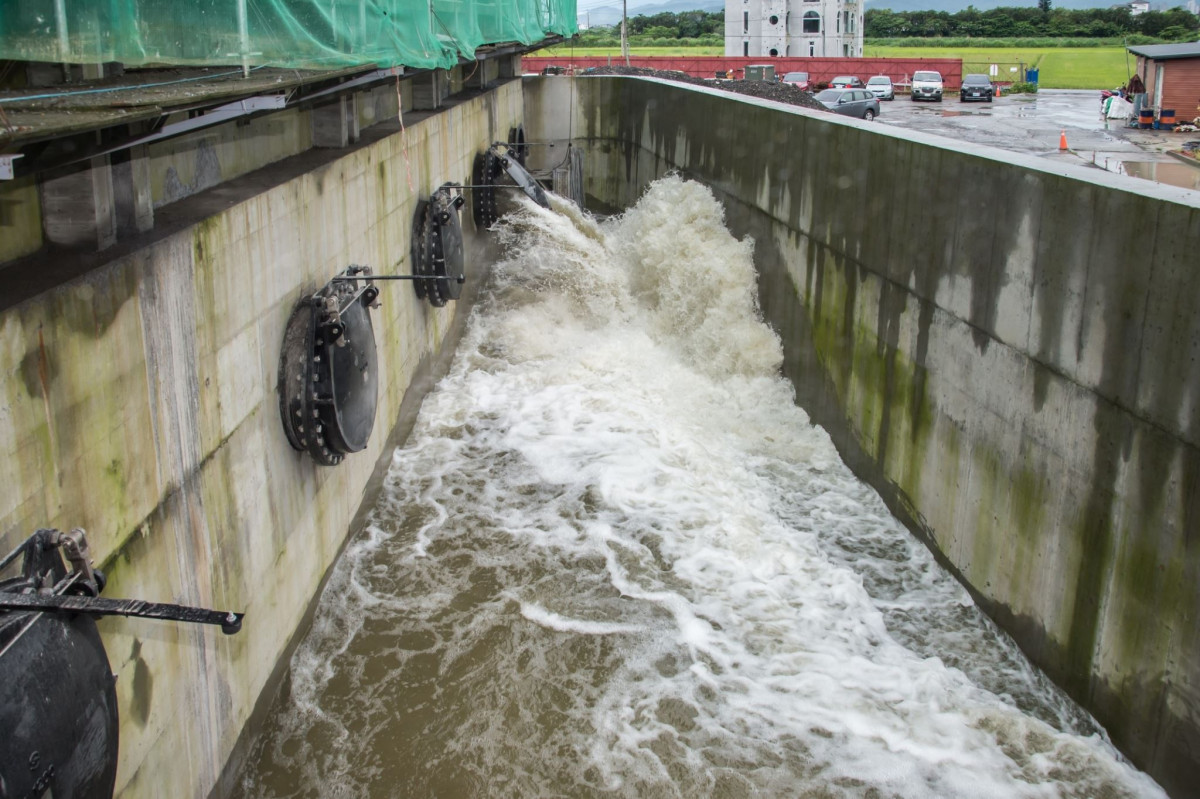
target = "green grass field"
x: 1072, y: 70
x: 1059, y: 67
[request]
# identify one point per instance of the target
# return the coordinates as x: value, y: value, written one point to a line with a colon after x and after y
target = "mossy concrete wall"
x: 140, y: 403
x: 1004, y: 347
x: 20, y: 219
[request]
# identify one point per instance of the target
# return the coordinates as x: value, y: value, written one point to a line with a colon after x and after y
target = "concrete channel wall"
x: 1004, y: 347
x: 140, y: 402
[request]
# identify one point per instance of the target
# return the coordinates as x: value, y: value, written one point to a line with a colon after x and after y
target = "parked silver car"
x: 851, y: 102
x: 881, y: 86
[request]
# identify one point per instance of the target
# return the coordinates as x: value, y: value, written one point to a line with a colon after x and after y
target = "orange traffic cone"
x: 1062, y: 140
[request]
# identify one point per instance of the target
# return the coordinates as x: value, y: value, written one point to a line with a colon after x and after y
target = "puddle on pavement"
x: 1169, y: 172
x: 1117, y: 124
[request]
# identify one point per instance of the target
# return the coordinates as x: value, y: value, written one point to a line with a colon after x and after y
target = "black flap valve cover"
x: 437, y: 244
x: 486, y: 171
x: 490, y: 166
x: 58, y: 698
x: 517, y: 145
x: 328, y: 371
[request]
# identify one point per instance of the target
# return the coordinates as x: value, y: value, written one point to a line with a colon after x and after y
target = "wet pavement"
x: 1032, y: 124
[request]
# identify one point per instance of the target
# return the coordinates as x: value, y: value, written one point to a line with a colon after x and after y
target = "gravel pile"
x: 779, y: 92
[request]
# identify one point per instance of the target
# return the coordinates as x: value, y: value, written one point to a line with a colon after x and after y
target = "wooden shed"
x: 1171, y: 74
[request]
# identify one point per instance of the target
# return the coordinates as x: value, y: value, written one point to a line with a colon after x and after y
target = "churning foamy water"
x: 615, y: 559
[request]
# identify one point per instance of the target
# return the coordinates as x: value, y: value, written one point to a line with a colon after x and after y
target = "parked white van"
x: 927, y: 85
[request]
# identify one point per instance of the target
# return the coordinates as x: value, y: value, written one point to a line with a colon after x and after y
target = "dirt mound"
x: 779, y: 92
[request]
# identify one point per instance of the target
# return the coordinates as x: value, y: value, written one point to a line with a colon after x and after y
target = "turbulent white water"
x: 615, y: 559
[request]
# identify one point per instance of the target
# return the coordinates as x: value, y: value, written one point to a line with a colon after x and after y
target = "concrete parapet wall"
x: 1004, y: 347
x: 185, y: 165
x: 140, y: 402
x: 88, y: 205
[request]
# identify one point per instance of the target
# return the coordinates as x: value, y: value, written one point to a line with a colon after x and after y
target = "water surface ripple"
x: 616, y: 560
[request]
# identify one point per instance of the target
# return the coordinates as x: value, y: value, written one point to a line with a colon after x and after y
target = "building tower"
x: 783, y: 28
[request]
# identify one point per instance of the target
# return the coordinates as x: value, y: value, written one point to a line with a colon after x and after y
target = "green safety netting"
x: 303, y: 34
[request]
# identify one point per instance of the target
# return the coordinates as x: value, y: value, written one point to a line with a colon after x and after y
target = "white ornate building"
x: 774, y: 28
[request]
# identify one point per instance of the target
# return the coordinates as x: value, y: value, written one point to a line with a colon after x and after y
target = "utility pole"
x: 625, y: 31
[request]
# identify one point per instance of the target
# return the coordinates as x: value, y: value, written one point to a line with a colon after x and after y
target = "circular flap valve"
x: 58, y: 707
x: 483, y: 193
x: 58, y: 699
x: 420, y: 242
x: 328, y: 375
x: 517, y: 145
x: 438, y: 242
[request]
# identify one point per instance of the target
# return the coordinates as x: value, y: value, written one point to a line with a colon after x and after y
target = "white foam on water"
x: 554, y: 621
x: 615, y: 559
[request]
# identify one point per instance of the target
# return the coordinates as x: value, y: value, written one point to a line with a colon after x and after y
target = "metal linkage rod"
x: 229, y: 622
x: 456, y: 278
x: 480, y: 186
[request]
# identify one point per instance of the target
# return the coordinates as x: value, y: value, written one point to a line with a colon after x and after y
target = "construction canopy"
x: 302, y: 34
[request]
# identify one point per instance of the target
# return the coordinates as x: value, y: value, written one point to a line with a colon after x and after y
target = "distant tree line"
x: 686, y: 25
x: 688, y: 28
x: 705, y: 28
x: 1178, y: 24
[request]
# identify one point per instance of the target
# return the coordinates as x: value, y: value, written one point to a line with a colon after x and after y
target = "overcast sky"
x: 588, y: 5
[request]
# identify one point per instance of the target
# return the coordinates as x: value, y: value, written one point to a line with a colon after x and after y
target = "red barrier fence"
x: 900, y: 70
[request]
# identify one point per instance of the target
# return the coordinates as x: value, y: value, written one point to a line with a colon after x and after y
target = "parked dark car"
x: 846, y: 82
x: 851, y: 102
x: 797, y: 79
x: 977, y: 87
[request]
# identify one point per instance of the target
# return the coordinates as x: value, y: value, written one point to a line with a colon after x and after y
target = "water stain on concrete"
x: 38, y: 370
x: 207, y: 174
x: 143, y: 685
